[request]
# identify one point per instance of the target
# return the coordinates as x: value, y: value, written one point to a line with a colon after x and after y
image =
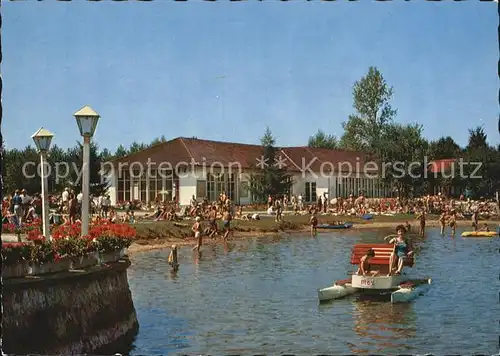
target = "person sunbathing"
x: 171, y: 216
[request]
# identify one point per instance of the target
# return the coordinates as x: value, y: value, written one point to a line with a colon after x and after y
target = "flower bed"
x: 106, y: 242
x: 35, y: 225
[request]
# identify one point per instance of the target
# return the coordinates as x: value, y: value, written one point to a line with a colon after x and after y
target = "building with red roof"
x: 183, y: 167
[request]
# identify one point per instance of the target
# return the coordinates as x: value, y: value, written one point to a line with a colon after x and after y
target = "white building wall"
x: 244, y: 179
x: 187, y: 184
x: 323, y: 184
x: 298, y: 187
x: 113, y: 187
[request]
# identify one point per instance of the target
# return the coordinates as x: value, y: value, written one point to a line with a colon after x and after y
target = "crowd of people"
x: 66, y: 208
x: 360, y: 205
x: 20, y: 208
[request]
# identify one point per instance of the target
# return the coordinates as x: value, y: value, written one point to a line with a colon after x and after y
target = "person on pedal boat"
x: 365, y: 266
x: 401, y: 250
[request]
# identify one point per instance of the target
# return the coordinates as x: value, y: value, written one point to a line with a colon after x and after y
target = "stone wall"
x: 68, y: 313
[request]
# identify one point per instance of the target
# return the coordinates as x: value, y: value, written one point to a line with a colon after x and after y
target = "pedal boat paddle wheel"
x: 402, y: 288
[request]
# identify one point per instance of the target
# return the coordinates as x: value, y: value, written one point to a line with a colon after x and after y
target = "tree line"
x: 20, y: 167
x: 371, y: 128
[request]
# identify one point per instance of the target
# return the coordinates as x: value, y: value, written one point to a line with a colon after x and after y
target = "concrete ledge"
x: 73, y: 312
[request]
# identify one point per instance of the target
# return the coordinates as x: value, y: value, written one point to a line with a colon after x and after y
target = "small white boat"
x: 402, y: 288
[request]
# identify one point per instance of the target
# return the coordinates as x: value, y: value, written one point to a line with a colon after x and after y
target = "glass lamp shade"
x: 42, y: 139
x: 87, y: 119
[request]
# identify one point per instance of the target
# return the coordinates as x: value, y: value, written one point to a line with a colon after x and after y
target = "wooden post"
x: 172, y: 259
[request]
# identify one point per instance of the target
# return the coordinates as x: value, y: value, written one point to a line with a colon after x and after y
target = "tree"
x: 365, y: 128
x: 403, y: 156
x: 477, y: 138
x: 20, y: 169
x: 483, y: 181
x: 322, y: 140
x: 136, y: 147
x: 271, y: 179
x: 120, y: 152
x: 157, y: 141
x: 444, y: 148
x: 60, y: 172
x: 98, y: 185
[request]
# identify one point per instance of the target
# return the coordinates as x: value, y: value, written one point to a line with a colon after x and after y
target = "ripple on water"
x: 259, y: 296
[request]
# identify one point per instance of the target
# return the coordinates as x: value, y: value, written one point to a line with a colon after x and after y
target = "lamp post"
x: 43, y: 139
x: 87, y: 119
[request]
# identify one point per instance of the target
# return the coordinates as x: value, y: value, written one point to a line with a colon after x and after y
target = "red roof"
x: 208, y: 152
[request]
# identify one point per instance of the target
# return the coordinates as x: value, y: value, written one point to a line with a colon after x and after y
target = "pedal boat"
x: 401, y: 288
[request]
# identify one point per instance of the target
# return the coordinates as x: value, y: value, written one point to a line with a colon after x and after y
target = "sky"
x: 224, y: 71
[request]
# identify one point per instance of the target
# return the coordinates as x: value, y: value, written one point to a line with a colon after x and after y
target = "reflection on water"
x: 382, y: 326
x: 259, y: 296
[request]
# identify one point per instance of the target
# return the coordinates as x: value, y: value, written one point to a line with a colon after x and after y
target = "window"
x: 211, y: 187
x: 166, y: 185
x: 221, y: 184
x: 311, y: 192
x: 123, y: 185
x: 201, y: 189
x: 142, y: 188
x: 244, y: 189
x: 152, y: 189
x: 231, y: 186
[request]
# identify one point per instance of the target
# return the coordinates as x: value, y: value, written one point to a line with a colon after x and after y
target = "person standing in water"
x: 421, y: 217
x: 197, y: 233
x: 442, y: 222
x: 452, y: 221
x: 408, y: 226
x: 227, y: 223
x: 314, y: 224
x: 277, y: 205
x: 475, y: 220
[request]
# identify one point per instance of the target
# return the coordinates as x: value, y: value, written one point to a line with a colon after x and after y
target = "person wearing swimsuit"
x: 227, y: 223
x: 422, y: 217
x: 400, y: 250
x: 314, y: 224
x: 408, y: 226
x: 475, y: 220
x: 197, y: 233
x: 364, y: 264
x: 213, y: 222
x: 452, y: 221
x: 442, y: 222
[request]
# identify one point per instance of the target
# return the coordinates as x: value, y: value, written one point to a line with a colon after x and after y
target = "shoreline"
x: 142, y: 245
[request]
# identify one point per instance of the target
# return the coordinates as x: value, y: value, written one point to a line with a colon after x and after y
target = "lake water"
x: 258, y: 296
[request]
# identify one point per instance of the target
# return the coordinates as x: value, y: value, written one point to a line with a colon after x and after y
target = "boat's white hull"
x: 335, y: 292
x: 404, y: 295
x: 400, y: 295
x: 378, y: 282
